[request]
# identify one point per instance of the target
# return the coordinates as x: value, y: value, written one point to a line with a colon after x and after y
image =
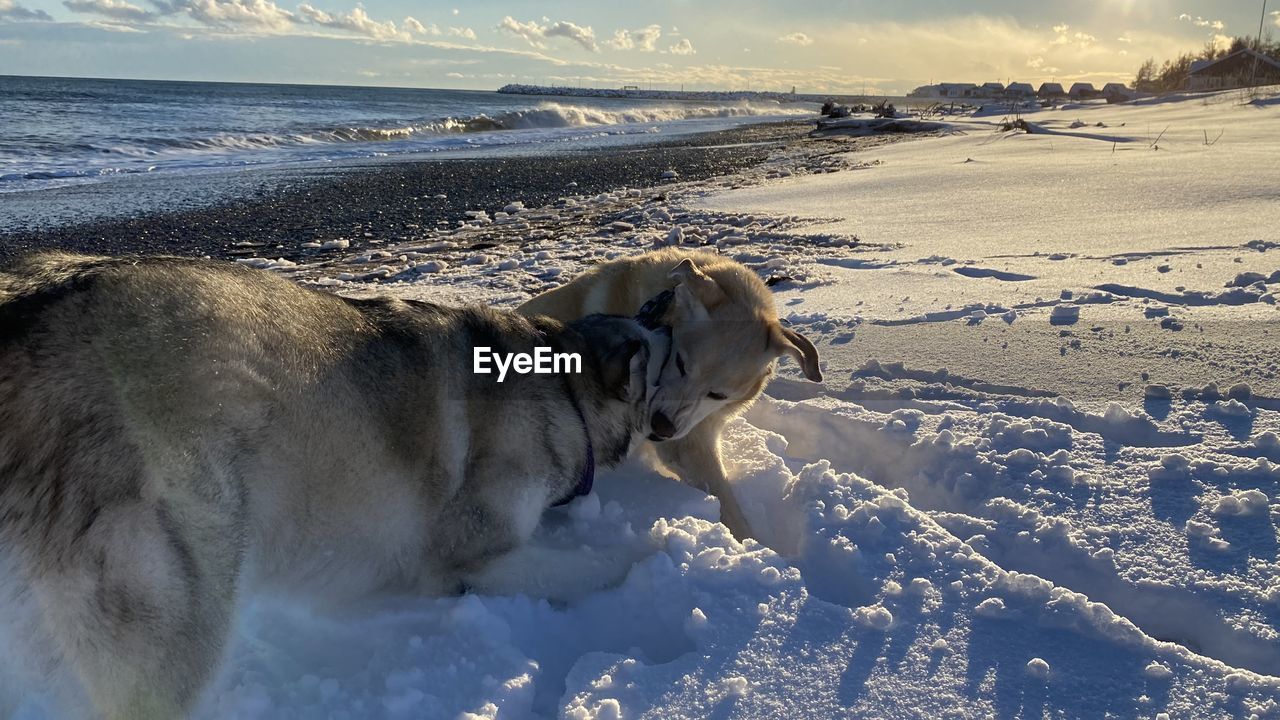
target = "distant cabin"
x: 1051, y: 90
x: 1019, y: 89
x: 1233, y: 71
x: 956, y: 90
x: 1082, y: 91
x: 1117, y: 92
x: 993, y: 88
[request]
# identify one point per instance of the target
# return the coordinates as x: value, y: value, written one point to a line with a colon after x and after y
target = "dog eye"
x: 717, y: 396
x: 680, y: 365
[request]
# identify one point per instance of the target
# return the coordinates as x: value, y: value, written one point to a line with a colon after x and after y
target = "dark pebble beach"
x: 272, y: 211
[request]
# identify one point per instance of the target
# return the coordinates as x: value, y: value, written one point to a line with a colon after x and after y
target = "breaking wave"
x: 118, y: 154
x: 544, y: 117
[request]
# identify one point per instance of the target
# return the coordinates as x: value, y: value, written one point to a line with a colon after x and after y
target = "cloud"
x: 463, y: 32
x: 684, y: 47
x: 1276, y: 14
x: 796, y: 38
x: 584, y: 36
x: 262, y: 14
x: 112, y: 26
x: 1037, y: 63
x: 645, y: 39
x: 535, y: 33
x: 1201, y: 22
x: 414, y: 26
x: 1082, y: 39
x: 114, y: 9
x: 11, y: 10
x: 357, y: 21
x: 530, y: 31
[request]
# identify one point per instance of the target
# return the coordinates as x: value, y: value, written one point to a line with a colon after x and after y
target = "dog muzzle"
x: 653, y: 312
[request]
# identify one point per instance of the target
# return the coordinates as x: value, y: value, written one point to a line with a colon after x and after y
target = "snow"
x: 1017, y: 493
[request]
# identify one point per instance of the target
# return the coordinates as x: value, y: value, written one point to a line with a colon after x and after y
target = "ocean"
x: 56, y: 132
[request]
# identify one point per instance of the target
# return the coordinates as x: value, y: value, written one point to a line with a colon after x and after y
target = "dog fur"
x: 725, y: 339
x: 174, y: 432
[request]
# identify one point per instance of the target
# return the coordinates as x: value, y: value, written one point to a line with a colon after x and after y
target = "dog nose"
x: 662, y: 426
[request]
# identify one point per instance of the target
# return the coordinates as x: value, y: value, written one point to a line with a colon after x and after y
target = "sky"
x: 821, y: 46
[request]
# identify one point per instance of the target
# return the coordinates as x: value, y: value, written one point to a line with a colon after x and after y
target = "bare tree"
x: 1146, y: 77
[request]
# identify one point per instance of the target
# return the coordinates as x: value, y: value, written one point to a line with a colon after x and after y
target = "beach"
x: 1040, y: 478
x: 252, y: 211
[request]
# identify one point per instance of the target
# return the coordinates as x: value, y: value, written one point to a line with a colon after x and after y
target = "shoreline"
x: 274, y: 211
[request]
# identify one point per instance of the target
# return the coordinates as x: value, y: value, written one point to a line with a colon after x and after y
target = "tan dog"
x: 725, y: 337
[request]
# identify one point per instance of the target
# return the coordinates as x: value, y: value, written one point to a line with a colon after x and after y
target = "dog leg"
x: 493, y: 554
x: 551, y: 573
x: 142, y: 610
x: 695, y: 458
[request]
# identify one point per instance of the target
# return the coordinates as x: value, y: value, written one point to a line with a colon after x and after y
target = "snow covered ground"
x: 1042, y: 478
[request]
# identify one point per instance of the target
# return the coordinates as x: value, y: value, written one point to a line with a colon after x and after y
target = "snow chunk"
x: 876, y: 617
x: 735, y: 686
x: 1241, y: 503
x: 1245, y: 279
x: 1037, y: 668
x: 606, y: 709
x: 1064, y: 314
x: 1229, y: 409
x: 431, y: 266
x: 992, y: 607
x: 697, y: 619
x: 1157, y: 392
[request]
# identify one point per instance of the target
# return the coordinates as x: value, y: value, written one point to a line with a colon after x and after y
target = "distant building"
x: 1234, y: 70
x: 956, y: 90
x: 1051, y: 90
x: 1117, y: 92
x: 992, y: 89
x: 1082, y: 91
x: 1019, y: 89
x: 945, y: 90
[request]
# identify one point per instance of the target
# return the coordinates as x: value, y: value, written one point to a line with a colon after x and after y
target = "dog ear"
x: 686, y: 306
x: 790, y: 342
x: 701, y: 285
x: 620, y: 363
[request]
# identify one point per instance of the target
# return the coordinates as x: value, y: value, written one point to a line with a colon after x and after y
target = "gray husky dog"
x: 173, y: 432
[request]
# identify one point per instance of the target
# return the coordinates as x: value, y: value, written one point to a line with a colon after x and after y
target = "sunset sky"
x: 816, y: 45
